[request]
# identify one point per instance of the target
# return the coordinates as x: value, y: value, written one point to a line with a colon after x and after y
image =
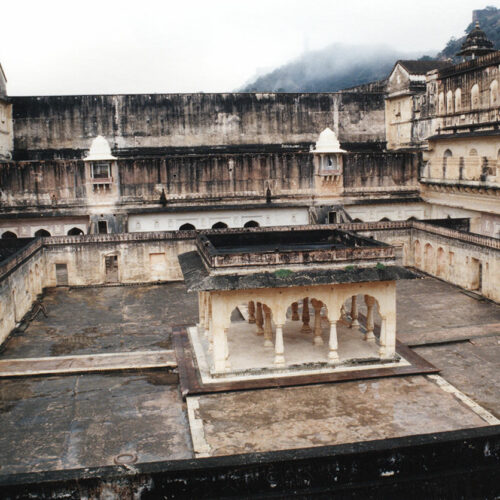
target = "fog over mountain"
x: 340, y: 66
x: 333, y: 68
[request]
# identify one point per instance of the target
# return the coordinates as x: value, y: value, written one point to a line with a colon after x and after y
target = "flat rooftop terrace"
x: 69, y: 421
x: 291, y: 247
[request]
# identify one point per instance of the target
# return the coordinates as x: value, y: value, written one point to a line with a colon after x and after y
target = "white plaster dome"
x: 100, y: 150
x: 328, y: 143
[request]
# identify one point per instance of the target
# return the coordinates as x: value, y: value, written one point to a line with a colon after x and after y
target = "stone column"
x: 251, y: 312
x: 259, y: 319
x: 317, y: 340
x: 370, y: 302
x: 305, y: 316
x: 295, y: 311
x: 201, y: 311
x: 226, y: 350
x: 382, y: 341
x: 354, y: 311
x: 268, y: 327
x: 279, y: 348
x: 333, y: 355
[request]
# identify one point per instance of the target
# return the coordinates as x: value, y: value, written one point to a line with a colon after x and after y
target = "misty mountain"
x: 341, y: 66
x: 335, y: 67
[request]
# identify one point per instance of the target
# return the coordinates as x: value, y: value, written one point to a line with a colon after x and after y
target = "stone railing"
x: 9, y: 264
x: 476, y: 239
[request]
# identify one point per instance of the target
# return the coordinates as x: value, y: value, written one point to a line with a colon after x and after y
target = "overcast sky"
x: 145, y: 46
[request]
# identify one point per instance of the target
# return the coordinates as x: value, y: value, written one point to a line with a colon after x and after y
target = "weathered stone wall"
x: 64, y: 126
x: 66, y: 184
x: 22, y: 278
x: 139, y: 259
x: 365, y: 171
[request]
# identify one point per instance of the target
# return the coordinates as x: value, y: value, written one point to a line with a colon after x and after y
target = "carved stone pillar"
x: 295, y: 311
x: 251, y: 312
x: 305, y: 316
x: 279, y: 348
x: 226, y: 349
x: 354, y: 312
x: 268, y: 327
x: 333, y: 355
x: 317, y: 305
x: 259, y: 319
x: 370, y: 302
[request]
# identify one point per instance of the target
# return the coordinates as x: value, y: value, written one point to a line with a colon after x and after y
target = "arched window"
x: 441, y: 103
x: 447, y: 154
x: 449, y: 102
x: 8, y: 235
x: 458, y: 100
x: 42, y: 233
x: 474, y: 97
x: 494, y: 93
x: 219, y: 225
x: 251, y: 223
x: 75, y: 231
x: 187, y: 227
x: 385, y: 219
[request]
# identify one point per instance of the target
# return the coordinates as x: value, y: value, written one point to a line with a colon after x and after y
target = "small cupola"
x: 329, y: 154
x: 99, y: 150
x: 476, y: 44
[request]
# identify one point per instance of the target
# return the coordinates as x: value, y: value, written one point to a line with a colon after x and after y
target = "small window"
x: 102, y: 227
x: 42, y: 233
x: 251, y: 223
x: 9, y: 235
x: 101, y: 170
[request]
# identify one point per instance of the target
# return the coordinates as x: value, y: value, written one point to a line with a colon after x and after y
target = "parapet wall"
x: 64, y: 126
x: 57, y: 184
x: 468, y: 260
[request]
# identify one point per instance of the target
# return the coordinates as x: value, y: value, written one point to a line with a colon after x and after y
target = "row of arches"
x: 218, y: 225
x: 454, y: 104
x: 317, y: 328
x: 41, y: 233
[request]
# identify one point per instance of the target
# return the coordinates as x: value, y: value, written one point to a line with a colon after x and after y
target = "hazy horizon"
x: 92, y: 47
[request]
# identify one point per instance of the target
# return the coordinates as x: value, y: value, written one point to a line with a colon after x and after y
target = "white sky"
x: 146, y: 46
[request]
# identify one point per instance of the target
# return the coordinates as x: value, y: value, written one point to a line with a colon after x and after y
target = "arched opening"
x: 441, y: 103
x: 441, y: 262
x: 219, y: 225
x: 9, y: 235
x: 412, y: 218
x: 187, y: 227
x: 251, y: 223
x: 494, y: 93
x: 41, y: 233
x: 474, y: 96
x: 357, y: 220
x: 385, y: 219
x: 458, y: 100
x: 75, y: 231
x: 449, y: 102
x: 429, y: 258
x: 447, y: 154
x: 418, y: 254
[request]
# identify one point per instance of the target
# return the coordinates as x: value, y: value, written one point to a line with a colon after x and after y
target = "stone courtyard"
x: 138, y: 414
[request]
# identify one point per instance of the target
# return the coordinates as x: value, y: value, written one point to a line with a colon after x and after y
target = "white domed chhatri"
x: 328, y: 143
x: 100, y: 150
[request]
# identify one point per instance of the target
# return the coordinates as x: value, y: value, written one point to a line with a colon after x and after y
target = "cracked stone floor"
x: 70, y: 421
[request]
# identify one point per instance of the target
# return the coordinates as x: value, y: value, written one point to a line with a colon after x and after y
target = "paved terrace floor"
x: 52, y: 422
